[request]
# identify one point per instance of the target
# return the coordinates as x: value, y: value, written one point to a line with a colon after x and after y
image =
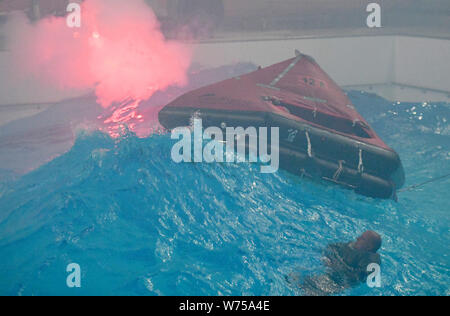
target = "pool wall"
x: 397, y: 67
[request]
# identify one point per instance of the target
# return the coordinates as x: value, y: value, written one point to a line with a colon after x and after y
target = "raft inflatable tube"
x: 321, y: 134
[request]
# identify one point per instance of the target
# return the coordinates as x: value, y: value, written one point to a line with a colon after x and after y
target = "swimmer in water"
x: 346, y: 266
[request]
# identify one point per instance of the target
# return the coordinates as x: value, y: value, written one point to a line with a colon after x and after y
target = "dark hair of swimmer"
x: 369, y: 241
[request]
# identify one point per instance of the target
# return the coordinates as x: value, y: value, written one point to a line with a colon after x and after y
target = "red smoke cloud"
x: 119, y: 50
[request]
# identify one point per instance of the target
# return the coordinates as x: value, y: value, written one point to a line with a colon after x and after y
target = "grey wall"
x: 264, y: 15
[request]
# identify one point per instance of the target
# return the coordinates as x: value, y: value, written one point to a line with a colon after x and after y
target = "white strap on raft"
x: 338, y: 172
x: 309, y: 150
x: 289, y: 68
x: 360, y: 164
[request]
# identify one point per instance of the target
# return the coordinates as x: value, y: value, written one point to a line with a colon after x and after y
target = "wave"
x: 138, y: 223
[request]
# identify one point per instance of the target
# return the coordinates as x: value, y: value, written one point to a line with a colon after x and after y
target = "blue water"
x: 139, y: 224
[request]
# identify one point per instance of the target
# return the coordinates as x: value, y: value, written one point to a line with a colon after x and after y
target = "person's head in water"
x: 369, y: 241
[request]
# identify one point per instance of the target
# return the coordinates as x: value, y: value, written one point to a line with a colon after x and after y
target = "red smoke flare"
x: 119, y: 50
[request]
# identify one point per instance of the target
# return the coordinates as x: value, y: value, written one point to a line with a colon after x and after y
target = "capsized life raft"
x: 321, y: 133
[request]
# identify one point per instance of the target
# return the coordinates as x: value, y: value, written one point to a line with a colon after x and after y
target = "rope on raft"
x: 412, y: 187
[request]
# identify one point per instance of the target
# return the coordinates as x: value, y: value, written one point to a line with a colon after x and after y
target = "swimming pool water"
x: 139, y: 224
